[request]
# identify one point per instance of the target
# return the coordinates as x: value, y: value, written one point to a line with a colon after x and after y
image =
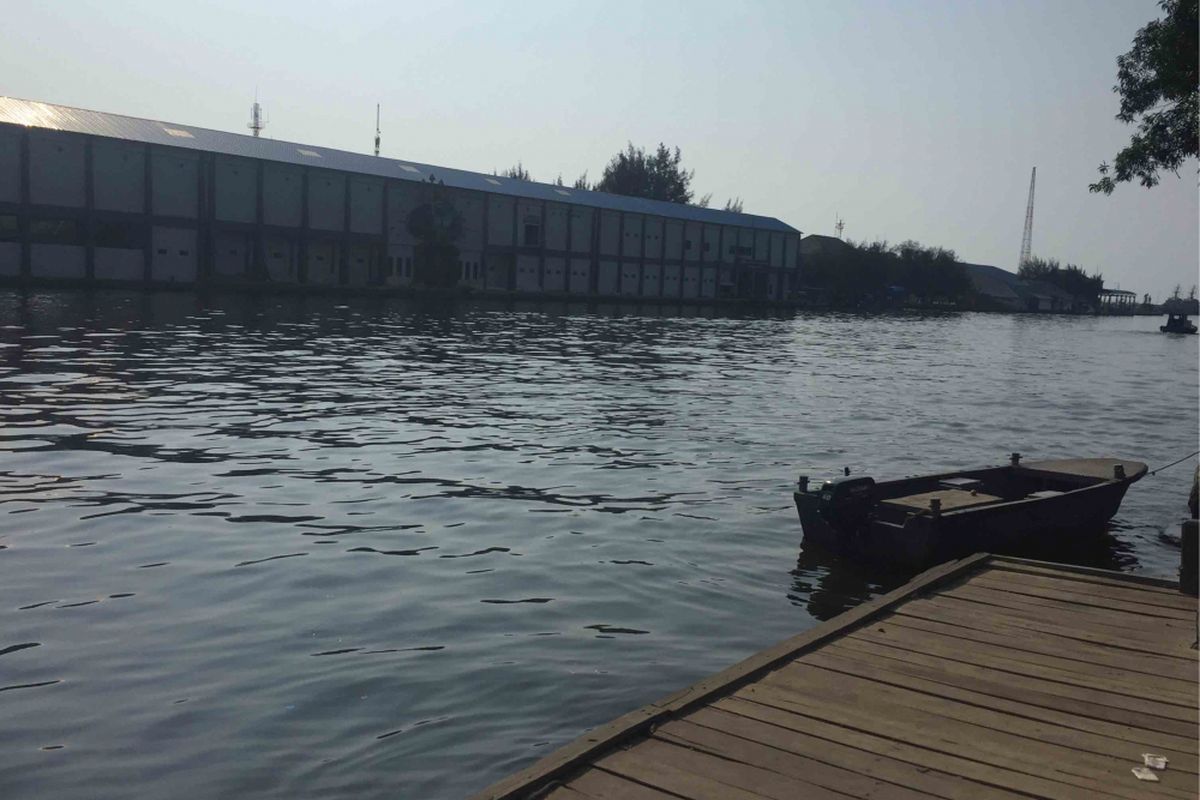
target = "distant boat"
x: 1178, y: 323
x: 924, y: 520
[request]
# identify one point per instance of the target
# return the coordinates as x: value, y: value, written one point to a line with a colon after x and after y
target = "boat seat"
x: 966, y: 484
x: 951, y: 499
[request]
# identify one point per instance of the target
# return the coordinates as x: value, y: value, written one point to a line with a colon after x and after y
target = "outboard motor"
x: 847, y: 503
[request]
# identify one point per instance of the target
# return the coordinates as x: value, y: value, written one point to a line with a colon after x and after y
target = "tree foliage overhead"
x: 658, y: 176
x: 518, y: 171
x: 1071, y: 278
x: 1157, y: 82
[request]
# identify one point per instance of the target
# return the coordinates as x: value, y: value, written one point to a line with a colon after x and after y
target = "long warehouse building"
x: 101, y: 198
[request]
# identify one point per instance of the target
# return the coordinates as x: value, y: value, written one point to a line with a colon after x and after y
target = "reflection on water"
x: 300, y: 548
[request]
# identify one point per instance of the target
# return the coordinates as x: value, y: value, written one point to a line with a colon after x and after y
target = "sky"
x: 909, y: 119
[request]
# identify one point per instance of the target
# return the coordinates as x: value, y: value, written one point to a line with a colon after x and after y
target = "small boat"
x: 1178, y: 323
x: 918, y: 521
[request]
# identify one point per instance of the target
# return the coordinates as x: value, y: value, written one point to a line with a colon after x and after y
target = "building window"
x: 128, y: 235
x: 533, y: 235
x: 56, y: 231
x: 9, y: 230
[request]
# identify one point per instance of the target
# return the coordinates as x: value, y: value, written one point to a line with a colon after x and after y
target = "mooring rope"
x: 1173, y: 463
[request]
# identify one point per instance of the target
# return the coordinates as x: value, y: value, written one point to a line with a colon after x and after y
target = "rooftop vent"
x: 563, y: 192
x: 309, y: 153
x: 407, y: 168
x: 179, y: 133
x: 492, y: 181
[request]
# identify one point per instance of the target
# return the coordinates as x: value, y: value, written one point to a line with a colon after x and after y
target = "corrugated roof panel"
x: 97, y: 123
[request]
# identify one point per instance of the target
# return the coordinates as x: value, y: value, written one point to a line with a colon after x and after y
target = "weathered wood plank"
x: 850, y: 688
x: 1075, y: 572
x: 919, y: 757
x: 1107, y: 618
x: 1150, y: 603
x: 771, y: 757
x: 999, y: 685
x: 1023, y: 640
x: 885, y: 768
x: 638, y: 766
x: 1075, y: 673
x: 871, y: 711
x: 1020, y: 706
x: 597, y: 784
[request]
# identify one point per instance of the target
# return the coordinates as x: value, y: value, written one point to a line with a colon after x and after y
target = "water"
x: 297, y: 548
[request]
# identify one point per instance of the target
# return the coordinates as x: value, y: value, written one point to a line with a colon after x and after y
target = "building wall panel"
x: 56, y: 168
x: 282, y: 257
x: 10, y: 259
x: 119, y: 176
x: 650, y: 278
x: 691, y: 282
x: 606, y: 278
x: 366, y: 205
x: 361, y: 265
x: 399, y: 265
x: 791, y: 259
x: 174, y: 182
x: 693, y: 244
x: 712, y: 244
x: 527, y: 273
x: 554, y: 274
x: 673, y: 233
x: 762, y: 244
x: 282, y: 195
x: 670, y: 280
x: 556, y: 226
x: 610, y: 233
x: 581, y: 276
x: 236, y: 191
x: 323, y: 264
x: 173, y: 254
x: 120, y: 264
x: 232, y: 253
x: 708, y: 283
x: 654, y: 238
x: 631, y: 278
x: 500, y: 220
x: 470, y: 206
x: 326, y: 200
x: 581, y: 230
x: 529, y: 214
x: 57, y: 261
x: 632, y: 240
x: 10, y: 165
x: 777, y: 249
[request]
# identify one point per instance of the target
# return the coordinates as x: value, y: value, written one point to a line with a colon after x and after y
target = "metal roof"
x: 35, y: 114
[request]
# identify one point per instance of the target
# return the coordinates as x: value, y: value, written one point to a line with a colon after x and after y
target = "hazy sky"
x: 912, y: 120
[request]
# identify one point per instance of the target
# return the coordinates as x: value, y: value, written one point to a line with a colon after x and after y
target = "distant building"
x: 92, y: 197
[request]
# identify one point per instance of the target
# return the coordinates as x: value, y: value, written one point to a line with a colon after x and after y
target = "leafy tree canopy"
x: 1071, y: 278
x: 518, y: 171
x: 1157, y: 82
x: 658, y: 176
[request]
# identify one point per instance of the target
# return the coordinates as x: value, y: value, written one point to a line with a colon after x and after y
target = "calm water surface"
x: 299, y: 549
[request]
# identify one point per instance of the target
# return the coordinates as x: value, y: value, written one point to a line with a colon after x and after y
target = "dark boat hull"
x: 1006, y: 527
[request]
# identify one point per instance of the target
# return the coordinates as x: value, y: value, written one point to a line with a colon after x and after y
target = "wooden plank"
x: 962, y: 668
x: 596, y: 784
x: 577, y: 753
x: 1008, y: 687
x: 1083, y: 615
x: 1023, y: 644
x: 1075, y: 673
x: 770, y: 757
x: 1134, y: 599
x: 848, y: 688
x: 919, y: 757
x: 1147, y: 644
x: 563, y: 793
x: 733, y: 773
x: 871, y: 711
x: 885, y: 768
x: 1087, y: 574
x: 1102, y: 725
x: 638, y: 766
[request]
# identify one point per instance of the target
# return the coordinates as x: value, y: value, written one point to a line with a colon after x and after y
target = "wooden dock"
x: 986, y: 677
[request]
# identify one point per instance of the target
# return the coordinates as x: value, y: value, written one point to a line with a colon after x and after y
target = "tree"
x: 437, y: 226
x: 581, y: 182
x: 519, y: 172
x: 1072, y: 278
x: 1157, y: 82
x: 734, y: 204
x: 657, y: 176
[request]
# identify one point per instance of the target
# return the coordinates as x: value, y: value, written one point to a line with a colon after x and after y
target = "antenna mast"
x: 840, y: 226
x: 377, y: 129
x: 1027, y: 239
x: 257, y: 123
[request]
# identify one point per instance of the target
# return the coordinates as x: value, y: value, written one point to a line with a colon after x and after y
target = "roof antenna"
x: 377, y: 129
x: 257, y: 123
x: 840, y: 226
